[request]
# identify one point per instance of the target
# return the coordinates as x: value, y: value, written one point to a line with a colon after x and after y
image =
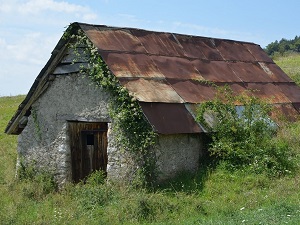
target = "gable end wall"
x: 44, y: 141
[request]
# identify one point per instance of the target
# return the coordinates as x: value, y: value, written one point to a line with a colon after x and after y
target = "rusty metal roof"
x: 169, y: 69
x: 166, y: 71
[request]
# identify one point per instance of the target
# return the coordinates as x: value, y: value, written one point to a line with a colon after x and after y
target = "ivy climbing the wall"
x: 133, y: 132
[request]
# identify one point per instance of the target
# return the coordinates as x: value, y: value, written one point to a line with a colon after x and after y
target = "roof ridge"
x: 157, y: 31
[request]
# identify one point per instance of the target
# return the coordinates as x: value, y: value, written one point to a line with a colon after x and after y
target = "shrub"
x: 244, y: 136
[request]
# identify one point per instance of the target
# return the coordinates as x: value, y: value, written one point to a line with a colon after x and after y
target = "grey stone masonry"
x: 44, y: 141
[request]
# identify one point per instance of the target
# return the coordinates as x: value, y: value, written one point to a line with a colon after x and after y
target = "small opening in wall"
x: 90, y: 139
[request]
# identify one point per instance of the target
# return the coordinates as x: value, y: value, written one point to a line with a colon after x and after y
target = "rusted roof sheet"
x: 258, y: 54
x: 151, y: 90
x: 198, y: 47
x: 216, y: 71
x: 113, y: 39
x: 291, y: 90
x: 193, y: 91
x: 131, y: 65
x: 297, y: 106
x: 176, y: 67
x: 284, y: 112
x: 276, y: 73
x: 168, y: 118
x: 268, y: 92
x: 158, y: 43
x: 250, y: 72
x: 232, y: 50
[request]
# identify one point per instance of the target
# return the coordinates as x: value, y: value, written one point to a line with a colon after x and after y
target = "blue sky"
x: 30, y: 29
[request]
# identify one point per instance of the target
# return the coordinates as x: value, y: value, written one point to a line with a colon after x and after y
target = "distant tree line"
x: 283, y: 46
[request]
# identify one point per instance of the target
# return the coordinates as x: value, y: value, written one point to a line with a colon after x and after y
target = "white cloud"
x: 30, y: 30
x: 2, y: 42
x: 90, y: 17
x: 22, y: 59
x: 31, y: 49
x: 36, y: 6
x: 6, y: 7
x: 20, y: 8
x: 205, y: 31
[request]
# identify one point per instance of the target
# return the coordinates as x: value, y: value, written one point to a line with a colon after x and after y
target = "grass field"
x: 212, y: 196
x: 290, y: 65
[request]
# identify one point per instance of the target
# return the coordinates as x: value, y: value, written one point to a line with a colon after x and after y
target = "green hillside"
x: 215, y: 195
x: 290, y: 63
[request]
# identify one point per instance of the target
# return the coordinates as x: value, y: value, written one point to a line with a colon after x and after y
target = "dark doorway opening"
x: 88, y: 142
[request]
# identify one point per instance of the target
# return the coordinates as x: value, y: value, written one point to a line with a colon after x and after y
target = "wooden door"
x: 88, y: 142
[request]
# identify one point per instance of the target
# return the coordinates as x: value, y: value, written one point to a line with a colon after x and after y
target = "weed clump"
x: 36, y: 183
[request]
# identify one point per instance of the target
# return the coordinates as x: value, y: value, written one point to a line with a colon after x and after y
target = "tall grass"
x: 213, y: 195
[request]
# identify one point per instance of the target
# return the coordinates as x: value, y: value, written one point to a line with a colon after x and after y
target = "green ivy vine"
x: 133, y: 131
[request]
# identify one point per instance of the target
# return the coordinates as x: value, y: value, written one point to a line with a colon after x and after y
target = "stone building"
x: 64, y: 124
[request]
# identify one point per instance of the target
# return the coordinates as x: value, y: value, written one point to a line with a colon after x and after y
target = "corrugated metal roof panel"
x: 131, y: 65
x: 151, y: 90
x: 269, y: 92
x: 231, y: 50
x: 193, y: 91
x: 175, y: 67
x: 215, y: 71
x: 277, y: 74
x: 291, y: 90
x: 114, y: 39
x: 159, y: 43
x: 297, y: 106
x: 170, y: 118
x: 199, y: 48
x: 250, y: 72
x: 285, y: 111
x: 237, y: 88
x: 258, y: 53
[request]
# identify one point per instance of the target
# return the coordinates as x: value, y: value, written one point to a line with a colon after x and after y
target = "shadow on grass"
x: 188, y: 182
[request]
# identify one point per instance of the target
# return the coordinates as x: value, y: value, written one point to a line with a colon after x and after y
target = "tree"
x: 283, y: 46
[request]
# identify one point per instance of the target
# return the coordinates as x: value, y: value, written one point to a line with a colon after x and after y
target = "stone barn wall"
x: 44, y: 141
x: 177, y: 153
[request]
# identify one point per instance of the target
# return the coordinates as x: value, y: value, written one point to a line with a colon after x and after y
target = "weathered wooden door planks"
x: 88, y: 143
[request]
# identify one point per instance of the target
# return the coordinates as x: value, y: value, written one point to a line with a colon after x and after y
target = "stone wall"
x: 178, y: 153
x: 121, y: 163
x: 44, y: 141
